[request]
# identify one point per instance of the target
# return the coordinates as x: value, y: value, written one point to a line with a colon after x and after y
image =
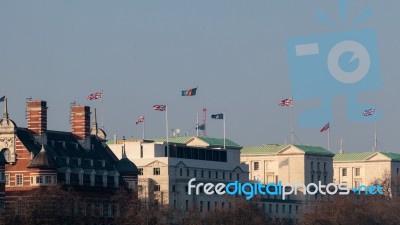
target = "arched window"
x: 7, y: 154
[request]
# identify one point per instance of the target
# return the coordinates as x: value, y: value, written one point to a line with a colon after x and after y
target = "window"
x: 324, y: 166
x: 165, y: 151
x: 312, y: 165
x: 67, y: 177
x: 208, y: 206
x: 270, y: 208
x: 157, y: 187
x: 290, y: 209
x: 156, y: 171
x: 92, y: 177
x: 202, y: 174
x: 283, y: 208
x: 312, y: 178
x: 223, y: 175
x: 237, y: 176
x: 7, y: 180
x: 195, y: 173
x: 209, y: 174
x: 317, y: 165
x: 81, y: 178
x: 180, y: 172
x: 47, y: 179
x: 187, y: 172
x: 19, y: 179
x: 276, y: 208
x: 141, y: 151
x: 230, y: 176
x: 141, y: 171
x: 357, y: 184
x: 201, y: 206
x: 187, y: 205
x: 358, y: 171
x: 216, y: 174
x: 344, y: 172
x: 173, y: 188
x: 104, y: 180
x: 6, y: 154
x: 256, y: 165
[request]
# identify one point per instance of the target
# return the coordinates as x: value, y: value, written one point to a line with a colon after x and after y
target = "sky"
x: 142, y: 53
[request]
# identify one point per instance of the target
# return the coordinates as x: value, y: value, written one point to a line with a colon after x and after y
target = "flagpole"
x: 197, y: 112
x: 224, y: 131
x: 144, y: 127
x: 329, y: 137
x: 291, y: 122
x: 166, y: 126
x: 102, y: 109
x: 375, y: 139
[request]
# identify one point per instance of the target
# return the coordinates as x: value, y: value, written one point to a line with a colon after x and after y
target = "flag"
x: 326, y: 127
x: 2, y: 98
x: 139, y: 120
x: 201, y: 127
x: 219, y: 116
x: 160, y: 107
x: 190, y: 92
x: 369, y: 112
x: 94, y: 96
x: 286, y: 102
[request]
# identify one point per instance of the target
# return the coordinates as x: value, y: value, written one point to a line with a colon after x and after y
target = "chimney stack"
x: 80, y: 121
x: 37, y: 116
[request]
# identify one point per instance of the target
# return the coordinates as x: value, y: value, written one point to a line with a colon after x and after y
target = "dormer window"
x: 79, y: 162
x: 103, y: 163
x: 67, y: 160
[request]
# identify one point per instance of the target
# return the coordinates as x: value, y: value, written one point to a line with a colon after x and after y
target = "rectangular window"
x: 344, y: 172
x: 47, y: 179
x: 312, y: 165
x: 180, y: 172
x: 317, y: 165
x: 208, y: 206
x: 195, y: 173
x: 187, y: 205
x: 156, y: 171
x: 141, y: 151
x: 173, y: 188
x: 165, y: 151
x: 216, y: 174
x: 223, y: 175
x: 157, y: 187
x: 276, y: 208
x: 290, y: 209
x: 357, y: 184
x: 357, y: 171
x: 140, y: 171
x: 270, y: 208
x: 202, y: 174
x: 283, y: 208
x: 324, y: 166
x: 256, y: 165
x: 209, y: 174
x: 187, y: 172
x: 19, y: 180
x: 230, y: 176
x: 237, y: 176
x: 201, y: 206
x: 7, y: 180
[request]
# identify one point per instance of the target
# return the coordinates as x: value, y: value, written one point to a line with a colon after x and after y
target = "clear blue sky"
x: 143, y: 53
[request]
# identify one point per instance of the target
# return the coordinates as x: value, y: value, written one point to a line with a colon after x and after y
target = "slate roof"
x: 62, y: 145
x: 42, y: 161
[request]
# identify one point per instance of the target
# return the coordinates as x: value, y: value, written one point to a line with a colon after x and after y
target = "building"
x: 164, y: 170
x: 289, y: 164
x: 80, y: 160
x: 365, y: 168
x: 2, y: 181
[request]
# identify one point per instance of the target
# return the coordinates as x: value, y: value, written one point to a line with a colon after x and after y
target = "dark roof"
x: 126, y: 166
x: 42, y: 160
x: 61, y: 145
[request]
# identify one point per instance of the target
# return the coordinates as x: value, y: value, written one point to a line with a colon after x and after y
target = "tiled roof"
x: 274, y: 149
x: 314, y: 150
x: 42, y: 160
x: 262, y: 150
x: 354, y: 156
x: 219, y: 142
x: 361, y: 156
x: 391, y: 155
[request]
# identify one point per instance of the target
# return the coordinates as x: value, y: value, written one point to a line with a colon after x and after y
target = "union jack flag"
x: 139, y: 120
x: 369, y: 112
x: 286, y: 102
x: 160, y: 107
x: 94, y: 96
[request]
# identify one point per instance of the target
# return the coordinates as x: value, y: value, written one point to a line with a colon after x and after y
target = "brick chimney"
x: 36, y: 111
x: 80, y: 121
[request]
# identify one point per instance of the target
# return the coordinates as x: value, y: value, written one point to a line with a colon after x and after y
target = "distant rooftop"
x: 212, y: 142
x: 273, y: 149
x: 362, y: 156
